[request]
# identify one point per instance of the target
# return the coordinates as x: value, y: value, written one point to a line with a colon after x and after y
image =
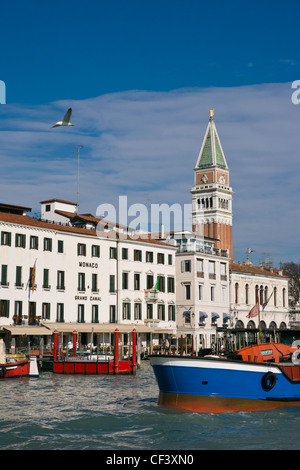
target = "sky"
x: 141, y: 78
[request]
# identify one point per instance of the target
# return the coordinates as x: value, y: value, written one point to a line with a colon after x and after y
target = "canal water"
x: 119, y: 413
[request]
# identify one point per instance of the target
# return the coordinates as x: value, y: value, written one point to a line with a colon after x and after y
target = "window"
x: 161, y: 284
x: 200, y: 267
x: 4, y: 282
x: 186, y: 266
x: 187, y: 289
x: 80, y: 317
x: 124, y: 280
x: 95, y: 282
x: 48, y: 207
x: 200, y: 291
x: 150, y: 283
x: 46, y: 279
x: 275, y: 296
x: 137, y: 255
x: 171, y: 312
x: 224, y: 294
x: 4, y: 308
x: 126, y: 310
x: 171, y: 284
x: 113, y: 252
x: 95, y: 313
x: 33, y: 243
x: 60, y: 246
x: 81, y: 282
x: 112, y: 283
x: 150, y: 311
x: 18, y: 311
x: 124, y: 253
x: 45, y: 311
x: 149, y: 256
x: 81, y: 249
x: 170, y: 261
x: 247, y: 293
x: 236, y: 292
x: 112, y: 314
x: 283, y: 297
x: 6, y: 238
x: 61, y: 280
x: 32, y: 313
x: 19, y: 276
x: 212, y: 293
x: 20, y: 240
x: 212, y: 272
x: 161, y: 312
x: 47, y: 244
x: 223, y: 271
x: 136, y: 281
x: 160, y: 258
x: 137, y: 311
x: 60, y: 313
x: 95, y: 251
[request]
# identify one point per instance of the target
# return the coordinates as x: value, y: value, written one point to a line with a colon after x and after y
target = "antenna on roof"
x: 78, y: 154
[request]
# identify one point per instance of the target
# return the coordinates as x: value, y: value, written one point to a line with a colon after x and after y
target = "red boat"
x: 13, y: 367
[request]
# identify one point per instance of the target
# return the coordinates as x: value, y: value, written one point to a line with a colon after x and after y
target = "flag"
x: 33, y: 276
x: 156, y: 287
x: 254, y: 311
x: 266, y: 303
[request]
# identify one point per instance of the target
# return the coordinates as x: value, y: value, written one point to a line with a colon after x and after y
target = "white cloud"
x: 145, y: 145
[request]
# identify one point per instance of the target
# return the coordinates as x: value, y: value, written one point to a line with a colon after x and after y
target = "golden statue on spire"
x: 212, y: 112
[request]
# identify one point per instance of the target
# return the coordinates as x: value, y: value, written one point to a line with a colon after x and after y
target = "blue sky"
x: 141, y: 77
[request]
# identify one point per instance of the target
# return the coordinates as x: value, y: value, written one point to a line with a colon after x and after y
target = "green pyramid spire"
x: 211, y: 153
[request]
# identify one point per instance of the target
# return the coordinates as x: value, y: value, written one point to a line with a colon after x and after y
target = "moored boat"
x: 254, y: 378
x: 17, y: 365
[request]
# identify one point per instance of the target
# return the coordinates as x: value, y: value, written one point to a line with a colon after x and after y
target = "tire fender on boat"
x: 268, y: 381
x: 296, y: 357
x: 2, y: 371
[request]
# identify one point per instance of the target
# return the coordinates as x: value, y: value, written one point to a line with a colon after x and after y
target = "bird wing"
x: 68, y: 115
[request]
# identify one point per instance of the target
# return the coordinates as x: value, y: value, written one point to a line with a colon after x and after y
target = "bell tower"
x: 211, y: 193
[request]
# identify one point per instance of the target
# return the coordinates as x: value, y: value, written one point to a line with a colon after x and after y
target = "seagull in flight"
x: 66, y: 120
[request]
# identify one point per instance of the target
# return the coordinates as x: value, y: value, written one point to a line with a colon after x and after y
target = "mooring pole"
x: 134, y: 336
x: 116, y: 352
x: 55, y: 334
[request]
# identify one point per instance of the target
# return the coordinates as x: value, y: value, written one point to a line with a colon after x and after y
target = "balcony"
x: 151, y: 295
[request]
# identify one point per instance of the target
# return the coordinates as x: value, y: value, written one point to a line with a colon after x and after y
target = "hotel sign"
x: 85, y: 264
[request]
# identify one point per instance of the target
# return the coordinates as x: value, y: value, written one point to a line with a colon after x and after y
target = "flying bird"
x: 66, y: 120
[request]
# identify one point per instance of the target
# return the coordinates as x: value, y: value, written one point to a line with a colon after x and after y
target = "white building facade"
x: 84, y: 278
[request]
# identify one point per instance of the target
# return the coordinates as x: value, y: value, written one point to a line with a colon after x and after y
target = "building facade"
x: 65, y: 277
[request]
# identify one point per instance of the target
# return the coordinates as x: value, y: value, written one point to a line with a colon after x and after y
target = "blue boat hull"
x: 212, y: 385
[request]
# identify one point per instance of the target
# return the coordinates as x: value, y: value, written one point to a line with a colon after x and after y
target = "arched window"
x: 266, y: 294
x: 261, y: 295
x: 251, y: 325
x: 256, y: 293
x: 239, y: 325
x: 236, y: 292
x: 275, y: 296
x: 247, y: 293
x: 283, y: 297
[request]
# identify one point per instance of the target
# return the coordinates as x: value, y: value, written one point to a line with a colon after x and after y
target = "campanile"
x: 211, y: 193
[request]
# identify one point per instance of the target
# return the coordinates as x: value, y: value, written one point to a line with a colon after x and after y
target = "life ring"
x: 268, y: 381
